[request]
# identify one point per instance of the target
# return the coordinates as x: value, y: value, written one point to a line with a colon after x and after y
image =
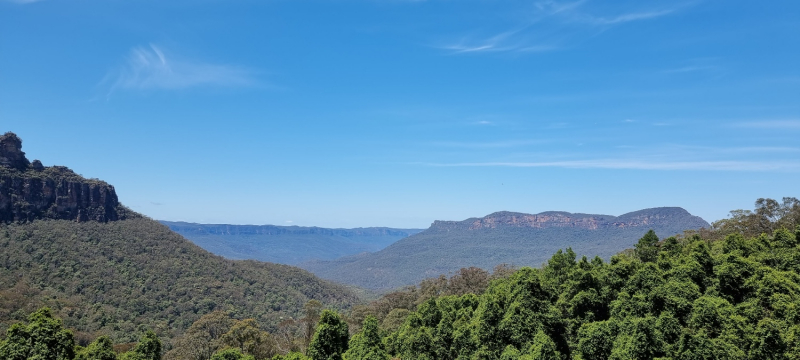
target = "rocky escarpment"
x: 559, y: 219
x: 29, y: 190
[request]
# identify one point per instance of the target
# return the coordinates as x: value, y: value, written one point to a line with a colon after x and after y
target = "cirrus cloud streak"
x: 148, y: 68
x: 625, y: 164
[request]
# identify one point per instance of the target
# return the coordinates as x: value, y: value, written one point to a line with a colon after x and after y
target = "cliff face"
x: 11, y: 155
x: 556, y: 219
x: 543, y: 220
x: 30, y: 191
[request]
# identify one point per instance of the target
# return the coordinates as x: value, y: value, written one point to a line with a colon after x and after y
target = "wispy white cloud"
x: 623, y: 18
x: 764, y: 149
x: 550, y: 7
x: 625, y: 164
x: 707, y: 65
x: 502, y: 42
x: 771, y: 124
x: 576, y: 14
x: 468, y: 48
x: 22, y: 1
x: 710, y: 150
x: 664, y: 157
x: 487, y: 145
x: 149, y: 68
x: 550, y: 28
x: 686, y: 69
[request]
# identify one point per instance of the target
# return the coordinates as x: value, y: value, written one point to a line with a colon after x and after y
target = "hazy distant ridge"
x: 502, y: 237
x: 287, y: 244
x: 663, y: 216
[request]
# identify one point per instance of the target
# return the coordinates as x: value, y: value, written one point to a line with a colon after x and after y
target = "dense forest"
x: 119, y: 277
x: 731, y: 292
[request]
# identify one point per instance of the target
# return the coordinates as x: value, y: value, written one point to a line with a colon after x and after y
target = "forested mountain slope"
x: 66, y: 242
x: 287, y: 244
x: 681, y: 298
x: 118, y: 276
x: 504, y: 237
x: 731, y: 291
x: 714, y: 294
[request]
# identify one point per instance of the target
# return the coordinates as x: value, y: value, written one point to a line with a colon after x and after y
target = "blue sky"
x: 347, y: 113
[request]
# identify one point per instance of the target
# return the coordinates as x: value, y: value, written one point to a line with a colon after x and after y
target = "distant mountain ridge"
x: 287, y: 244
x: 228, y: 229
x: 561, y: 219
x: 502, y: 237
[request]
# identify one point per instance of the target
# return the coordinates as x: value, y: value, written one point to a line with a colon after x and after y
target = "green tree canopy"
x: 367, y: 345
x: 246, y: 336
x: 148, y: 348
x: 647, y: 247
x: 231, y: 354
x: 44, y: 338
x: 331, y: 338
x: 101, y: 349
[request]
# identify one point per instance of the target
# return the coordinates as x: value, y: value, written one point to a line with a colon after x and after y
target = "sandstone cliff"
x: 559, y: 219
x: 30, y: 191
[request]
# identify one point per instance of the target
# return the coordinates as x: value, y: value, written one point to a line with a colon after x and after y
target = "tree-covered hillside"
x: 119, y: 277
x: 678, y: 299
x: 681, y: 298
x: 727, y: 295
x: 67, y: 242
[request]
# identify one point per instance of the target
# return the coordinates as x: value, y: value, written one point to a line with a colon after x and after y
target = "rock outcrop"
x: 11, y: 155
x: 558, y: 219
x: 30, y: 191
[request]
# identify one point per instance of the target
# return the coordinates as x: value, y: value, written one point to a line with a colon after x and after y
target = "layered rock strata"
x: 30, y: 191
